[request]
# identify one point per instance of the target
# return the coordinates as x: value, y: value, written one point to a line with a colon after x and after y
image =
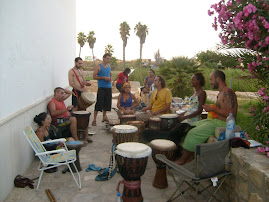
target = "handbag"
x: 22, y: 182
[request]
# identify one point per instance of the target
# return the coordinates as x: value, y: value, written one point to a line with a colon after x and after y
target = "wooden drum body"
x: 124, y: 133
x: 168, y: 121
x: 125, y: 118
x: 86, y: 99
x: 132, y: 161
x: 167, y: 148
x: 140, y: 126
x: 154, y: 123
x: 83, y: 118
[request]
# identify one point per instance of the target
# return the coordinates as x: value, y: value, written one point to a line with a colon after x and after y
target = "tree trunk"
x: 93, y: 58
x: 79, y: 50
x: 123, y: 61
x: 141, y: 46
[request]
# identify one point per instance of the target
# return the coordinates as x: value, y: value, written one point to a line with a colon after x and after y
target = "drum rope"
x: 129, y: 184
x: 110, y: 167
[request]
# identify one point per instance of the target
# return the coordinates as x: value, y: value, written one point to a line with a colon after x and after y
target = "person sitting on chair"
x: 226, y: 104
x: 121, y: 79
x: 197, y: 100
x: 160, y: 101
x: 59, y: 112
x: 44, y: 133
x: 125, y: 100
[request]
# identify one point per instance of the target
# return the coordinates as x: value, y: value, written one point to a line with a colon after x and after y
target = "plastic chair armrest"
x: 51, y: 152
x: 175, y: 166
x: 56, y: 140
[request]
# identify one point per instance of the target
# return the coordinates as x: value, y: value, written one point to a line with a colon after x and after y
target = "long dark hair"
x: 40, y: 117
x: 200, y: 77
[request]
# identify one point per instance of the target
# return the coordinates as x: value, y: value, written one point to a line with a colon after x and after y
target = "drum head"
x: 162, y: 145
x: 124, y: 129
x: 154, y: 119
x: 135, y: 122
x: 133, y: 150
x: 80, y: 112
x: 169, y: 116
x: 88, y: 97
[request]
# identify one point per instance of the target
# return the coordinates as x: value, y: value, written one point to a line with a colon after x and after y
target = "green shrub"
x: 177, y: 74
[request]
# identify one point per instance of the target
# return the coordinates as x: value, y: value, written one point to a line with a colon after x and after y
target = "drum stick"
x: 50, y: 196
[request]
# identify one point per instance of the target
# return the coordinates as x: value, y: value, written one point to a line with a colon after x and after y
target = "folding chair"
x: 211, y: 160
x: 53, y: 158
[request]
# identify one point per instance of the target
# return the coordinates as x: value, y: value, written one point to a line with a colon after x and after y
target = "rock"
x: 256, y: 176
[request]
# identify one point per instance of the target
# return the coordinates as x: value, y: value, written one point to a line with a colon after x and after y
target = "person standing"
x: 77, y: 81
x: 122, y: 78
x: 102, y: 73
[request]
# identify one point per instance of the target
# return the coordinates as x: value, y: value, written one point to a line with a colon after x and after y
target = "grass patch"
x: 241, y: 80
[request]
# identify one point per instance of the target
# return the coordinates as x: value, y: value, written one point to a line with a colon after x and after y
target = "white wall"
x: 37, y: 48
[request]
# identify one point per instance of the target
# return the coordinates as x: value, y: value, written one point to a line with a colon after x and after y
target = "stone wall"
x: 94, y: 86
x: 250, y: 176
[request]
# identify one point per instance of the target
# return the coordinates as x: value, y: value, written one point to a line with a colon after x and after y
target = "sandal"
x: 94, y: 123
x: 104, y: 175
x: 106, y: 119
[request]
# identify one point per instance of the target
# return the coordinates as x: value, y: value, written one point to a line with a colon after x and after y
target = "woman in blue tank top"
x: 125, y: 100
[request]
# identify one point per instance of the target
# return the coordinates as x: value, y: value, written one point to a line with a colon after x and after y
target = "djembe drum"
x: 140, y: 126
x: 154, y: 123
x: 132, y: 161
x: 125, y: 118
x: 86, y: 99
x: 83, y: 118
x: 76, y: 145
x: 124, y: 133
x: 168, y: 121
x: 167, y: 148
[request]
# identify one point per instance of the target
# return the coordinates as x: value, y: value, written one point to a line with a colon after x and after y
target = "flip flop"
x: 94, y: 123
x: 89, y: 168
x: 104, y: 175
x: 92, y: 167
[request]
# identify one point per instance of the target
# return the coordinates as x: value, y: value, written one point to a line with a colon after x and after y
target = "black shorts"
x: 104, y: 99
x: 75, y: 98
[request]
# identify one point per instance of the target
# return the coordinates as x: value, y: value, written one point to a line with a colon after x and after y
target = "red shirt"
x: 59, y: 106
x: 122, y: 78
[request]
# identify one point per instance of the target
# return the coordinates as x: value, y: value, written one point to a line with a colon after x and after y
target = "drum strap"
x: 77, y: 78
x: 76, y: 93
x: 129, y: 184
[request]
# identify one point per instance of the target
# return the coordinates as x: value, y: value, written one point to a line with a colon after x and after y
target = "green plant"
x: 177, y: 74
x: 109, y: 49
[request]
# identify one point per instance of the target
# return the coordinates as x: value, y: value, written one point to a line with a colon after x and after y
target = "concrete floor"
x: 64, y: 188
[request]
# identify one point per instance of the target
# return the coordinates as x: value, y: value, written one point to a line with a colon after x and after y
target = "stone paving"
x: 64, y: 188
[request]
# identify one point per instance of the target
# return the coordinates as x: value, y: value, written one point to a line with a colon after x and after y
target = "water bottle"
x: 118, y: 199
x: 230, y: 123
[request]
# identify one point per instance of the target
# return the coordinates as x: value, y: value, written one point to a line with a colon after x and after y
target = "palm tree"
x: 124, y: 32
x: 91, y: 40
x: 141, y: 31
x: 81, y: 40
x: 109, y: 49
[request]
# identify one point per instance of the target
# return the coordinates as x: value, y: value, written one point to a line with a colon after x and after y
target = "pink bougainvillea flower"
x: 246, y: 134
x: 257, y: 128
x: 267, y: 142
x: 266, y: 149
x: 265, y: 97
x: 252, y: 108
x: 260, y: 149
x: 267, y: 153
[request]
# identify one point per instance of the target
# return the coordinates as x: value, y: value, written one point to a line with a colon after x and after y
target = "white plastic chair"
x: 53, y: 158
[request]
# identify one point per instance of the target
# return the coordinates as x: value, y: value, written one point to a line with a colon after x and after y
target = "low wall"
x: 15, y: 151
x: 250, y: 176
x: 94, y: 86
